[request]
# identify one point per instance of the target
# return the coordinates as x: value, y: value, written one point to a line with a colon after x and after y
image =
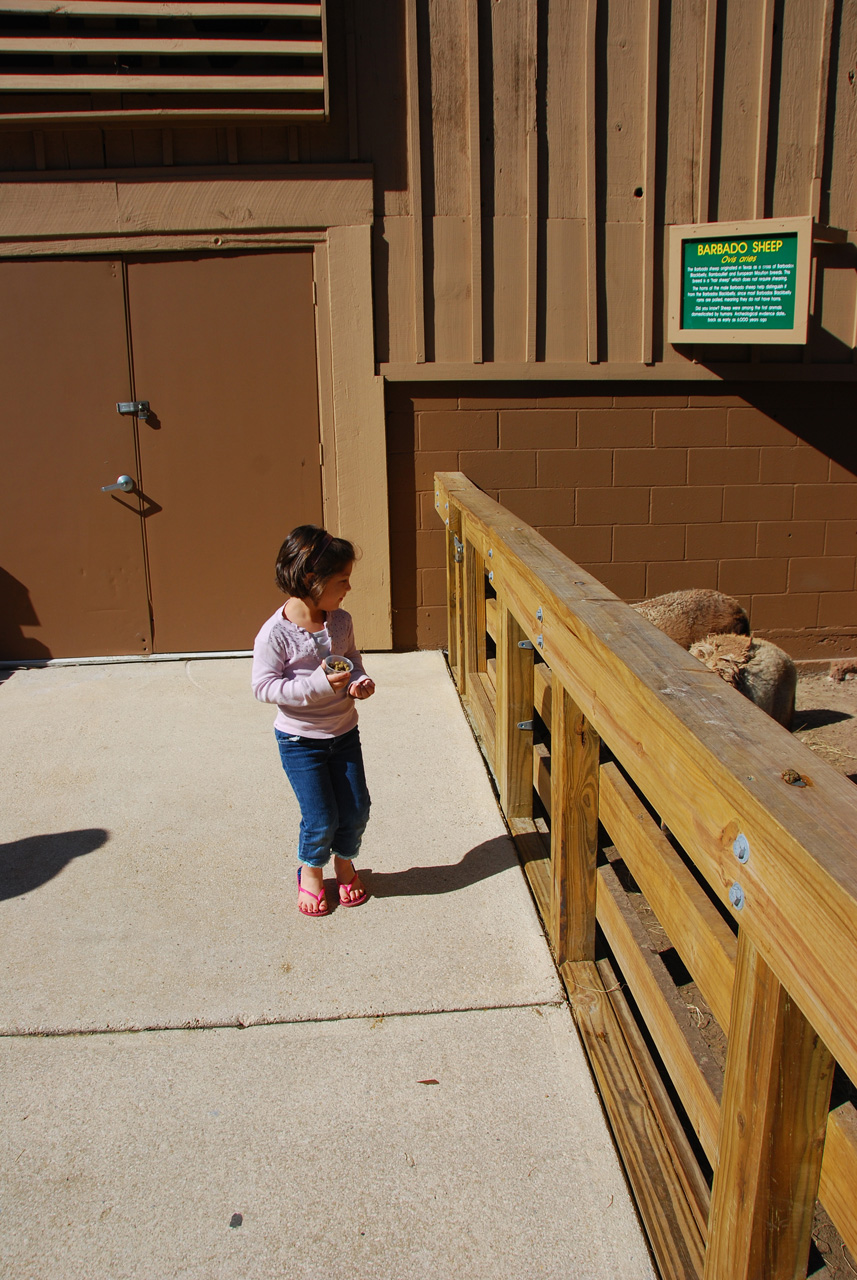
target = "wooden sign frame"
x: 743, y: 244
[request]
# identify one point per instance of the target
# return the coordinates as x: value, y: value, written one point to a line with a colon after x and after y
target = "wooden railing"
x: 648, y: 773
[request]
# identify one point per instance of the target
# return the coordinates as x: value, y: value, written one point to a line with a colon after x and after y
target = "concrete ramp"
x: 198, y: 1081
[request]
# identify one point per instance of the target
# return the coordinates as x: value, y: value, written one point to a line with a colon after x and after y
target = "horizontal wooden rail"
x: 687, y: 767
x: 100, y: 43
x: 126, y: 81
x: 162, y: 8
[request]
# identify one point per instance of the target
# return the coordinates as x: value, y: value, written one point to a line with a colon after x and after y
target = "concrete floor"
x: 200, y: 1082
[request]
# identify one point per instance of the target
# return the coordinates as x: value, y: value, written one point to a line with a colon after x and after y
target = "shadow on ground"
x: 487, y: 859
x: 26, y: 864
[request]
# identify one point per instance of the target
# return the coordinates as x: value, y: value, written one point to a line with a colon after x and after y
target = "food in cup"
x: 335, y: 664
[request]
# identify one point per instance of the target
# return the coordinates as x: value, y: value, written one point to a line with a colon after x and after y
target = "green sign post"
x: 739, y: 284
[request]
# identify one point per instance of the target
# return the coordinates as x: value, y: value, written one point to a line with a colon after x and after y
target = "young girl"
x: 316, y: 724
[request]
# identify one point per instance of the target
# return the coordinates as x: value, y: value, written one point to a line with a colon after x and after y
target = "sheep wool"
x: 757, y: 668
x: 689, y: 616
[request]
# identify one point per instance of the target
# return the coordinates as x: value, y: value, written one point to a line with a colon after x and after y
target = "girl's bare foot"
x: 311, y: 899
x: 351, y: 890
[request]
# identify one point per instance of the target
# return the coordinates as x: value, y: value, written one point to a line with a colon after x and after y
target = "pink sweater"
x: 287, y: 670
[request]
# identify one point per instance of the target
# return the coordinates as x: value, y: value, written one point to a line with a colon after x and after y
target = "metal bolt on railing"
x: 736, y: 896
x: 741, y: 848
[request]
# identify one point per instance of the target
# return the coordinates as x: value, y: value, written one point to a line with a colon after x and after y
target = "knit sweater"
x: 287, y: 670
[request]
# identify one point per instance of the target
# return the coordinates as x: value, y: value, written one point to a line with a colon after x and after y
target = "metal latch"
x: 526, y: 644
x: 525, y: 724
x: 136, y: 408
x: 459, y: 549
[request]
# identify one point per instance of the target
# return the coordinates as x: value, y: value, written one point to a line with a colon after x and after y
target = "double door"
x: 152, y: 530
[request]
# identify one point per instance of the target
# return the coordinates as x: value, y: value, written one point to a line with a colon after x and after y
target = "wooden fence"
x: 623, y: 765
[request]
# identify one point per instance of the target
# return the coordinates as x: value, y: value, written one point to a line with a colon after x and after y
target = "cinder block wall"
x: 754, y: 492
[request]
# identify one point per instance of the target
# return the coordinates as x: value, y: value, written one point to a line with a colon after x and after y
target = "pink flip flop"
x: 344, y: 899
x: 320, y: 897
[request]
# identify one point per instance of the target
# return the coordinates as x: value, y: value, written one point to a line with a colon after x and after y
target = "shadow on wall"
x: 26, y: 864
x: 821, y: 415
x: 16, y: 611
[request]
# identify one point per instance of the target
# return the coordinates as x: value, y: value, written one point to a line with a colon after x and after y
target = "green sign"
x: 740, y: 283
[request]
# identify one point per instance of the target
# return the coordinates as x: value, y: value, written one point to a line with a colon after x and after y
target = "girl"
x: 316, y: 724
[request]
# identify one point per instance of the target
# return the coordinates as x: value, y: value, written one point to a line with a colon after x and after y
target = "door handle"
x: 125, y: 483
x: 137, y: 408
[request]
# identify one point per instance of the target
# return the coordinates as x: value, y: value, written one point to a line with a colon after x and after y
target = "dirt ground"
x: 826, y: 719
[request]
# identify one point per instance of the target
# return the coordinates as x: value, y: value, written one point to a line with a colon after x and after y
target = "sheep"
x: 757, y: 668
x: 689, y: 616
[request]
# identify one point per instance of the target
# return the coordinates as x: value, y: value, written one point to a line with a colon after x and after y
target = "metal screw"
x: 736, y: 896
x: 540, y: 641
x: 741, y: 848
x: 490, y: 552
x: 539, y: 614
x: 491, y: 575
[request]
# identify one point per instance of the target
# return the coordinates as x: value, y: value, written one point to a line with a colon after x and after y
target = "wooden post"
x: 513, y: 752
x: 574, y: 829
x: 772, y: 1125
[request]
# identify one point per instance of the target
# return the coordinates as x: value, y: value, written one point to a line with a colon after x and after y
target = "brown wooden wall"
x: 754, y: 493
x: 551, y: 144
x: 528, y: 155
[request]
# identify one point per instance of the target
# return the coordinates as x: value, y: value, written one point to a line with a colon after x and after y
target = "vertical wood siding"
x: 530, y: 154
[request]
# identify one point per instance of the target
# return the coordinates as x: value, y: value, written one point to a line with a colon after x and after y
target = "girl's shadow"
x: 487, y: 859
x: 26, y: 864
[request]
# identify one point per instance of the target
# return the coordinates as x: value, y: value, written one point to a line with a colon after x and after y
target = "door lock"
x: 125, y: 483
x: 136, y: 408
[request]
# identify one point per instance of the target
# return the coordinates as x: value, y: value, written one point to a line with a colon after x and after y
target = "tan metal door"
x: 72, y: 582
x: 223, y: 348
x: 224, y: 351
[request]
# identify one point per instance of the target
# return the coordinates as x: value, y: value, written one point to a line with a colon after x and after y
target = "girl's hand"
x: 338, y: 679
x: 362, y: 689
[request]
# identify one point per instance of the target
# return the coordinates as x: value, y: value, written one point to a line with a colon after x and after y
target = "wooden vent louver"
x: 199, y: 57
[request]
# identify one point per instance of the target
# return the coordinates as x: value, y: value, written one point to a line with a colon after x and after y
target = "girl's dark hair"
x: 308, y: 557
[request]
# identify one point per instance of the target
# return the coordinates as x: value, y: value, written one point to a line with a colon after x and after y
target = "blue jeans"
x: 328, y: 779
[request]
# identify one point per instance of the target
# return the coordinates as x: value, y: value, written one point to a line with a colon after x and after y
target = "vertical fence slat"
x: 772, y: 1124
x: 472, y: 605
x: 574, y: 829
x: 454, y: 588
x: 514, y: 746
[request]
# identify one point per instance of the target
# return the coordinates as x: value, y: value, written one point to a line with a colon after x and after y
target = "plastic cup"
x: 335, y: 664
